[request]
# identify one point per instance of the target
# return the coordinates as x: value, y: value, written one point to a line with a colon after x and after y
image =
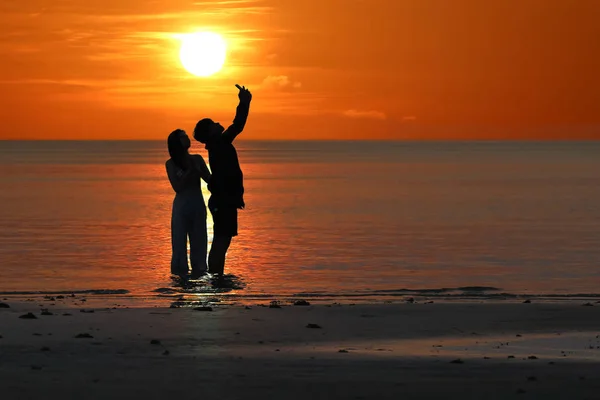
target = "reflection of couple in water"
x: 226, y: 193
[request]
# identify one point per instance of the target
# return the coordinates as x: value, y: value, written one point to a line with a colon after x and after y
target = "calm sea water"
x: 323, y: 219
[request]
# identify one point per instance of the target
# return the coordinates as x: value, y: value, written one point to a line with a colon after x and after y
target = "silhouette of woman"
x: 189, y: 211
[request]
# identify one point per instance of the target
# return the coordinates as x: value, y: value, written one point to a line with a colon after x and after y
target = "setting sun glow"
x: 203, y: 53
x: 427, y: 70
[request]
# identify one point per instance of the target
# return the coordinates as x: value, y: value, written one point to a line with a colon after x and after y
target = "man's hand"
x: 244, y: 94
x: 241, y: 115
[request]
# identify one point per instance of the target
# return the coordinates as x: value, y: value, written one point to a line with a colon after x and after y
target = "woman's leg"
x: 179, y: 261
x: 198, y: 242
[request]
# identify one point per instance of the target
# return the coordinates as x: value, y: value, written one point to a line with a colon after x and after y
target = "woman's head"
x: 178, y: 144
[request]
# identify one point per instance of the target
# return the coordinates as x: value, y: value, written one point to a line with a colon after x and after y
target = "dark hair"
x: 176, y: 149
x: 202, y: 128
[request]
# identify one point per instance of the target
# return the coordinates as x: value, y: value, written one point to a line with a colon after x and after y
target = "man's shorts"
x: 224, y: 219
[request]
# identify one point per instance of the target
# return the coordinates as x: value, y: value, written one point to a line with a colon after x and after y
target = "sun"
x: 202, y: 53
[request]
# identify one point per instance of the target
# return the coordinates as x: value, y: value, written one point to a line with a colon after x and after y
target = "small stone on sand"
x: 527, y: 301
x: 84, y: 336
x: 457, y: 361
x: 155, y: 341
x: 532, y: 357
x: 4, y: 305
x: 45, y: 348
x: 301, y: 303
x: 313, y: 326
x: 274, y: 304
x: 588, y: 305
x: 204, y: 308
x: 28, y: 316
x: 342, y: 351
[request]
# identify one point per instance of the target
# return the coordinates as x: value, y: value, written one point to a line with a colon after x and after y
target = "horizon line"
x: 325, y: 140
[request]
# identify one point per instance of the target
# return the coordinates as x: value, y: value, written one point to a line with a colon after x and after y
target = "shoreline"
x: 97, y: 299
x: 182, y: 293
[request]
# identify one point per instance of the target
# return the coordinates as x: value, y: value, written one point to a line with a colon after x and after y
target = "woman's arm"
x: 203, y: 168
x: 178, y: 177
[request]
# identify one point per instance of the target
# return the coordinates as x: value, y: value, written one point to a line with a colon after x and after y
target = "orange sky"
x: 331, y: 69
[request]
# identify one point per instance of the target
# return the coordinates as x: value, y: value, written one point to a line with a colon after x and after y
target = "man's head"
x: 206, y: 129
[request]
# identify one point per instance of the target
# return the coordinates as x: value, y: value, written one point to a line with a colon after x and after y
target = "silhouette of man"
x: 226, y: 184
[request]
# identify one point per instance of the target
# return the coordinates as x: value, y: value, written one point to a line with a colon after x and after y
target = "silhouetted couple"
x: 226, y: 192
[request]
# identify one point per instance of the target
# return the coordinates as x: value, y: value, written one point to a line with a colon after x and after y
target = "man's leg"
x: 216, y: 257
x: 225, y: 227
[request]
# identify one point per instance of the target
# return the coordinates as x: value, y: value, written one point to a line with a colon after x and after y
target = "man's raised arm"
x: 241, y: 114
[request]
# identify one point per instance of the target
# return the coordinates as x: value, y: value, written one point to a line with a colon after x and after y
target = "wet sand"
x: 389, y: 351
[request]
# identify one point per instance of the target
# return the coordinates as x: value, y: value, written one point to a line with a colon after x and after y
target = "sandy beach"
x: 404, y: 350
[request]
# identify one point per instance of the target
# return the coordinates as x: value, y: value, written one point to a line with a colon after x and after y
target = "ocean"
x: 338, y: 221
